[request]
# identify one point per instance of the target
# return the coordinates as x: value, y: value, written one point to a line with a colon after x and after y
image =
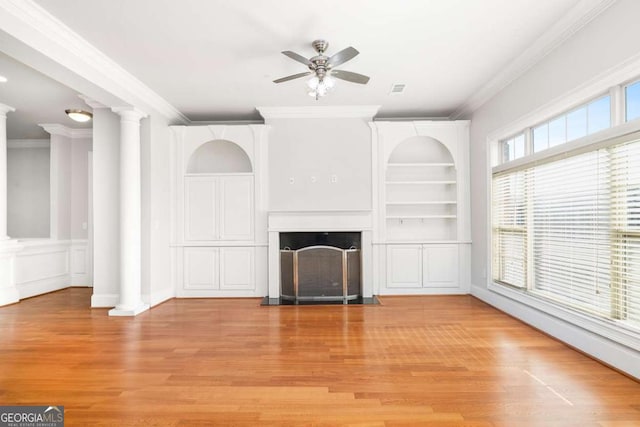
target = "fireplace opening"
x: 320, y: 266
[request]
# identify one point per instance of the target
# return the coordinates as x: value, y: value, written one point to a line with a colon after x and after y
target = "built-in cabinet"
x: 416, y: 238
x: 214, y: 268
x: 219, y: 207
x: 422, y: 266
x: 220, y: 229
x: 421, y: 201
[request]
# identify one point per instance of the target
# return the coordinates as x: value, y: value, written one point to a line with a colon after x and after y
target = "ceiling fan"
x: 322, y: 68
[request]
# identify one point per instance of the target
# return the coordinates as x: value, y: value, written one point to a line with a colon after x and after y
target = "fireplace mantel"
x: 336, y: 220
x: 320, y: 221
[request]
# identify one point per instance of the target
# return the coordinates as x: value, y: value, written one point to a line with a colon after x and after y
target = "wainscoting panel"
x: 80, y: 275
x: 41, y: 267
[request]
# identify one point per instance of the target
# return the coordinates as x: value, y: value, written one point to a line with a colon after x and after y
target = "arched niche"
x: 420, y: 149
x: 219, y: 156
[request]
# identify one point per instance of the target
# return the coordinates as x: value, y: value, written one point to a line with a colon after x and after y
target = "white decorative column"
x: 4, y: 109
x: 130, y: 215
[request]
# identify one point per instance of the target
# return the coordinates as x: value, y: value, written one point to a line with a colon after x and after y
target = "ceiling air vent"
x: 397, y: 89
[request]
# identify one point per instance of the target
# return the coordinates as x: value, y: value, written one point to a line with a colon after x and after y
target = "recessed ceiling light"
x: 79, y: 115
x: 3, y: 79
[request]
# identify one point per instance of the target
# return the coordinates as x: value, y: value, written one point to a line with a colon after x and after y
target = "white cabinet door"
x: 201, y: 268
x: 236, y: 268
x: 440, y: 266
x: 404, y: 266
x: 201, y: 218
x: 236, y: 208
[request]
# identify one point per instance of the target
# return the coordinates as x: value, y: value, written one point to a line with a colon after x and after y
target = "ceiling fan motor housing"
x: 320, y: 46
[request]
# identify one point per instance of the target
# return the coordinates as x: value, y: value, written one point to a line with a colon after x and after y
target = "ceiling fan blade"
x: 297, y: 57
x: 293, y: 76
x: 343, y: 56
x: 350, y: 77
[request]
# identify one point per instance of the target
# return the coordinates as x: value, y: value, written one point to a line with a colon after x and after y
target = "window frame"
x: 618, y: 132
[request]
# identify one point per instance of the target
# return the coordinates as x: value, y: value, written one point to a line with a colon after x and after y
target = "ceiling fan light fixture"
x: 319, y: 88
x: 322, y: 69
x: 79, y: 115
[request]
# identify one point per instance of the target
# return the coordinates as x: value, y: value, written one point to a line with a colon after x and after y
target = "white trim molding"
x: 342, y: 111
x: 57, y: 129
x: 28, y: 143
x: 576, y: 18
x: 104, y: 300
x: 79, y: 261
x: 568, y: 329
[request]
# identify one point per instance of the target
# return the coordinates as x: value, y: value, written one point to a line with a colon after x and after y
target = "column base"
x: 128, y: 311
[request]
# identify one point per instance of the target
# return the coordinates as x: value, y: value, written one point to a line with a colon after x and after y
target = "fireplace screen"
x: 320, y: 273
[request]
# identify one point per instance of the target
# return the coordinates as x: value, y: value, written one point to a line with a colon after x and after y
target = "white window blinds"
x: 569, y: 230
x: 509, y: 229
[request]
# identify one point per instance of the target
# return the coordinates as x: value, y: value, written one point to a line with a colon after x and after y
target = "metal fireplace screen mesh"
x: 320, y: 272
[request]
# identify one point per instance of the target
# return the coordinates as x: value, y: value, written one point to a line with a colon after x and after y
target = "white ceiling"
x: 37, y: 99
x: 216, y: 59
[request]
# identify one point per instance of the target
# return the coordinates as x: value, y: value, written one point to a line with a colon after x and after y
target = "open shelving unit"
x: 420, y: 196
x: 422, y: 207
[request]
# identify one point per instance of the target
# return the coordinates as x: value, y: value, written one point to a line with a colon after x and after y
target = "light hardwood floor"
x: 450, y: 361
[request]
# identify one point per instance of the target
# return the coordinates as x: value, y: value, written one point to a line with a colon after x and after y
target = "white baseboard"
x: 43, y: 286
x: 9, y: 295
x: 80, y: 280
x: 610, y: 352
x: 104, y: 300
x: 160, y: 296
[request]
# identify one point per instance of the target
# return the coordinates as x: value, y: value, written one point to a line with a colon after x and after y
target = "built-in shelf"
x: 421, y: 216
x: 420, y: 182
x: 427, y: 165
x: 423, y: 202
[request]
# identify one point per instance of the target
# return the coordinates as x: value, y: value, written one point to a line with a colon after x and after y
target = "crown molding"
x: 28, y: 143
x: 57, y: 129
x: 575, y: 19
x: 91, y: 102
x: 342, y: 111
x: 34, y: 26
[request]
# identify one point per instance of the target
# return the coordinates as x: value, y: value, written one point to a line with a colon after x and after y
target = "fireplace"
x: 320, y: 266
x: 320, y: 240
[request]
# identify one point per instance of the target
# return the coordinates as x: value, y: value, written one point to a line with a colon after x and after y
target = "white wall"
x: 158, y: 221
x: 106, y: 208
x: 80, y: 148
x: 28, y: 191
x: 306, y: 148
x: 60, y: 177
x: 156, y: 207
x: 609, y: 40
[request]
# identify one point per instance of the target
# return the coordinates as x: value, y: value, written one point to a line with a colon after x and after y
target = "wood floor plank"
x: 442, y: 361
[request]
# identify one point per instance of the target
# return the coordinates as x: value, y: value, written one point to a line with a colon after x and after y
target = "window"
x: 632, y: 101
x: 513, y: 148
x: 584, y: 120
x: 568, y: 230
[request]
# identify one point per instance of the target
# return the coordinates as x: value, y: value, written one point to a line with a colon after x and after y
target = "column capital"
x: 62, y: 130
x: 91, y: 102
x: 130, y: 114
x: 4, y: 109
